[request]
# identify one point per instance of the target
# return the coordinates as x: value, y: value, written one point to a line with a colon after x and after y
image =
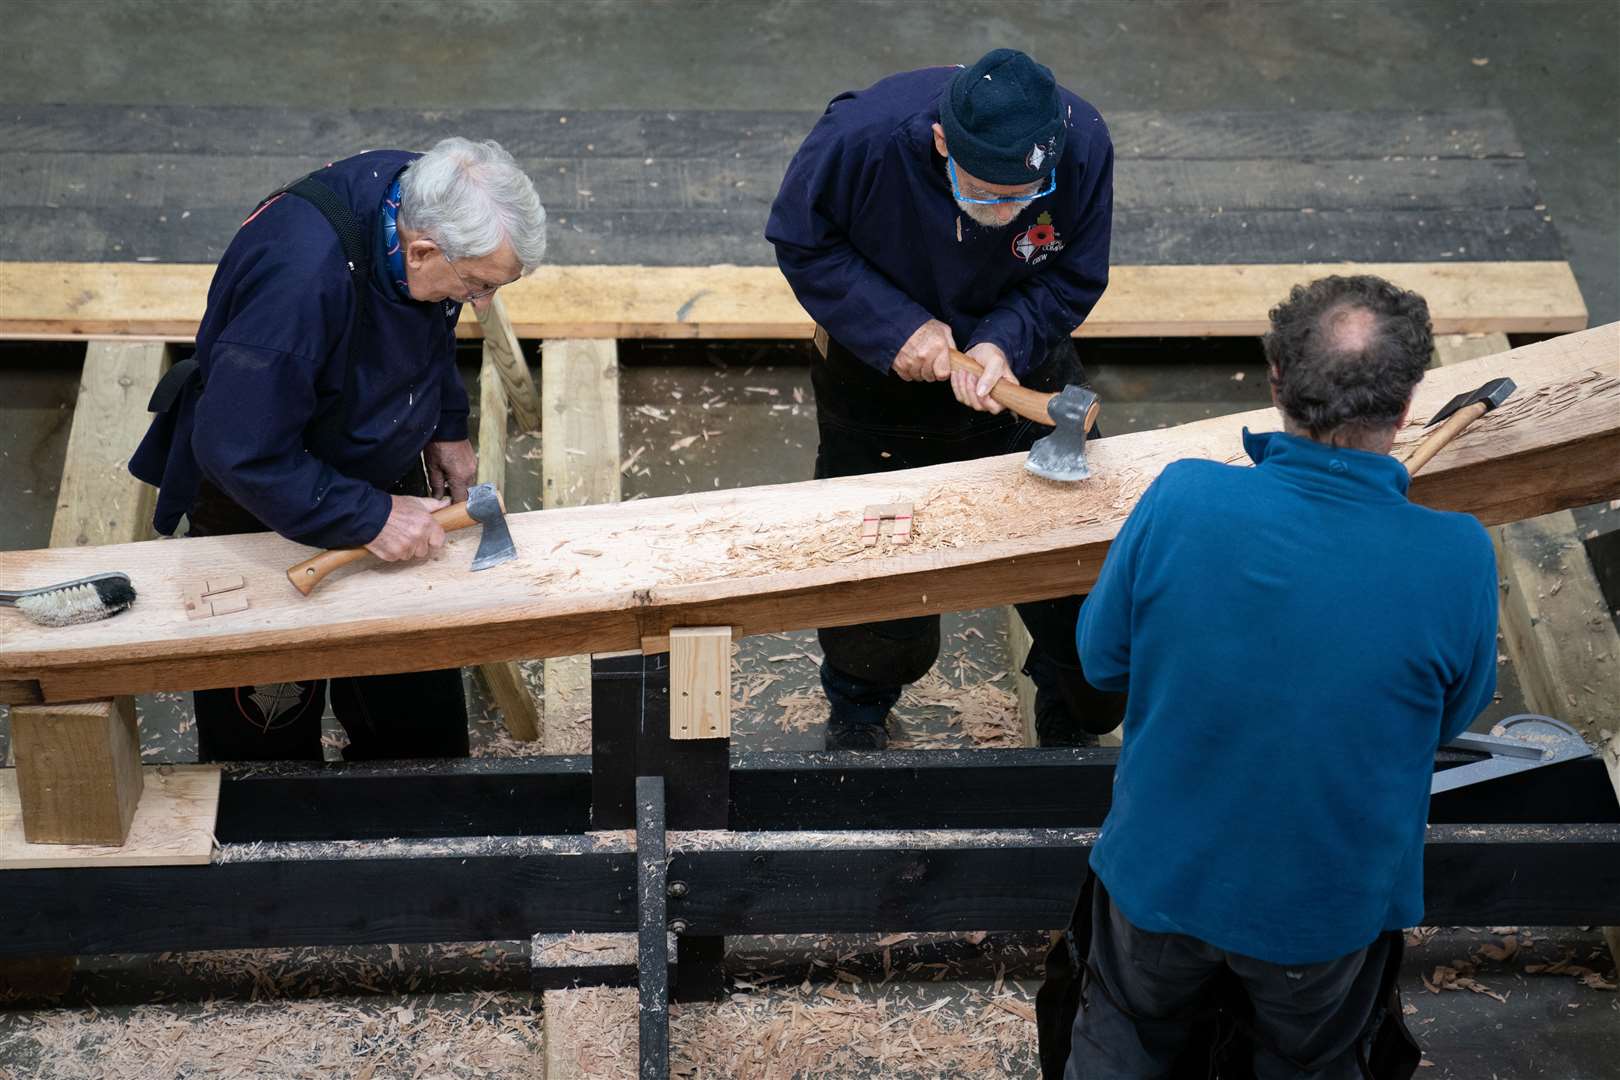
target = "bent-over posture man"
x: 947, y: 208
x: 324, y: 404
x: 1298, y: 639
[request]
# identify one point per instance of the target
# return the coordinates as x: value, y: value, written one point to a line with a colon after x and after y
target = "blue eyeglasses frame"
x: 1000, y: 200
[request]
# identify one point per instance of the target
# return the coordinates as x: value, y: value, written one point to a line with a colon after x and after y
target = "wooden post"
x: 504, y: 681
x: 1018, y: 645
x: 99, y: 502
x: 700, y: 682
x: 579, y: 389
x: 78, y: 771
x: 501, y: 346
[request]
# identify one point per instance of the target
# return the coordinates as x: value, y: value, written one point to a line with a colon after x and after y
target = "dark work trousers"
x: 1175, y: 1007
x: 870, y: 422
x: 410, y: 715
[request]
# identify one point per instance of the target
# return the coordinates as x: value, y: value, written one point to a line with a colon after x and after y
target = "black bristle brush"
x: 86, y: 600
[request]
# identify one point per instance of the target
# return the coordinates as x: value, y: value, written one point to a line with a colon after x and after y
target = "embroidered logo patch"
x: 1038, y: 153
x: 1037, y: 242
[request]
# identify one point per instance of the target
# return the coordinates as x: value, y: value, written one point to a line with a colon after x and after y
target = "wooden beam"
x: 700, y: 682
x: 579, y: 462
x: 78, y: 773
x: 172, y: 826
x: 503, y: 680
x: 99, y: 502
x: 46, y: 300
x: 502, y: 348
x: 1018, y: 646
x: 760, y: 560
x: 1555, y: 622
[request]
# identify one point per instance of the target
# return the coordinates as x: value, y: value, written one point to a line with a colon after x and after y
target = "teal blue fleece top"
x: 1297, y: 639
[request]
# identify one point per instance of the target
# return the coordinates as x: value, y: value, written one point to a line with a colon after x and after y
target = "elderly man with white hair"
x: 324, y: 404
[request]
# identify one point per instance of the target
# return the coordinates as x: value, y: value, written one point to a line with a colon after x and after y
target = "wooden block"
x: 873, y: 517
x: 501, y: 348
x: 173, y: 825
x: 700, y: 682
x: 1455, y: 348
x: 78, y: 771
x: 99, y: 502
x: 221, y: 595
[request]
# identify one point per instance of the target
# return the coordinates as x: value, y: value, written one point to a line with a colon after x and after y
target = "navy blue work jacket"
x: 273, y: 349
x: 871, y: 239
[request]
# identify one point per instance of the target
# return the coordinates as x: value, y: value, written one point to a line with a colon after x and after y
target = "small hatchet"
x: 483, y: 507
x: 1070, y: 413
x: 1457, y: 414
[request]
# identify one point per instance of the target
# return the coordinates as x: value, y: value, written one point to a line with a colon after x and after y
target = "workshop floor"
x: 464, y: 1010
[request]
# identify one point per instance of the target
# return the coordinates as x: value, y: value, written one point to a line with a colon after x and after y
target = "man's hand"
x: 410, y: 531
x: 926, y: 355
x: 452, y: 468
x: 973, y: 390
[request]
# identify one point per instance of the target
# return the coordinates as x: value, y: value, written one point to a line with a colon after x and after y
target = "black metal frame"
x: 726, y: 843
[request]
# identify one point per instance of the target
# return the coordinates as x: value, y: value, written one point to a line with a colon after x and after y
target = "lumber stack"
x: 760, y: 560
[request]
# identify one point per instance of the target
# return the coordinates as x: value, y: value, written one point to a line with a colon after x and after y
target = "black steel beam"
x: 734, y: 883
x: 652, y: 929
x: 951, y: 789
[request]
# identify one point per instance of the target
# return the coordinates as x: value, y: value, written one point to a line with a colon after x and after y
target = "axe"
x: 1070, y: 413
x: 483, y: 507
x: 1457, y: 414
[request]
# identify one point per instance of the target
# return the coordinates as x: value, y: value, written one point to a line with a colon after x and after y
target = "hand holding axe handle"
x: 1030, y: 404
x: 309, y: 573
x: 1455, y: 417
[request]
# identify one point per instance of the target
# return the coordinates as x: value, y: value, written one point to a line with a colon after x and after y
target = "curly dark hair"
x: 1345, y: 353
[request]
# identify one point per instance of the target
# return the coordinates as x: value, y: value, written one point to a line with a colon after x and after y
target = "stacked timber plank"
x: 760, y: 560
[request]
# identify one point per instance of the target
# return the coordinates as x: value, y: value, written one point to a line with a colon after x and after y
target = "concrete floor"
x: 1553, y: 66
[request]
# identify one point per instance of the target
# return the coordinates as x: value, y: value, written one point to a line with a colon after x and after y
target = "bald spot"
x: 1349, y: 330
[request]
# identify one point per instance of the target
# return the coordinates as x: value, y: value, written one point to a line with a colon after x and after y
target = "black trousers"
x: 411, y: 715
x: 869, y: 422
x: 1120, y: 1002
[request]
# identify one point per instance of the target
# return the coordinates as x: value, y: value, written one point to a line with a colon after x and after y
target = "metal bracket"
x: 1517, y: 744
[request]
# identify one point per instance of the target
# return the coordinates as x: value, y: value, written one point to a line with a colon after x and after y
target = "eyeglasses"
x: 471, y: 297
x: 998, y: 200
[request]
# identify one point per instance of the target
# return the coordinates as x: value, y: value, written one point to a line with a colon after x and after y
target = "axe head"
x: 1061, y: 455
x: 1491, y: 394
x: 495, y: 540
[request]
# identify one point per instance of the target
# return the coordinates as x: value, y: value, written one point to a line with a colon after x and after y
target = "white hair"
x: 468, y: 197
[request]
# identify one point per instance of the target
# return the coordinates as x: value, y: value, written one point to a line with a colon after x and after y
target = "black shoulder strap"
x: 351, y: 234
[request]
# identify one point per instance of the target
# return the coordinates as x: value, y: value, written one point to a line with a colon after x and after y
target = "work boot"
x: 1068, y: 710
x: 857, y: 737
x: 858, y: 710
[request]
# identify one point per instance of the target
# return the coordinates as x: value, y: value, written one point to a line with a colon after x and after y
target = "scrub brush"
x: 83, y: 601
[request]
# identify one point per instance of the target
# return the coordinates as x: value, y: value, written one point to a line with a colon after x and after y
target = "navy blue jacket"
x: 273, y: 347
x: 874, y: 245
x: 1297, y: 639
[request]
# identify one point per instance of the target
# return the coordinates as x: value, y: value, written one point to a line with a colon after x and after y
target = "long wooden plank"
x: 165, y: 301
x: 173, y: 826
x: 760, y: 560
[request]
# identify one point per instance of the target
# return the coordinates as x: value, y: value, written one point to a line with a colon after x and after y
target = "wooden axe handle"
x: 1030, y: 404
x: 1454, y: 425
x: 311, y: 572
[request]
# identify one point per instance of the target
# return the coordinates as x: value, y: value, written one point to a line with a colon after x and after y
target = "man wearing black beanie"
x: 941, y: 209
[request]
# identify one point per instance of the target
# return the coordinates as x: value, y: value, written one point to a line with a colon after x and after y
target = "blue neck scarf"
x: 393, y: 250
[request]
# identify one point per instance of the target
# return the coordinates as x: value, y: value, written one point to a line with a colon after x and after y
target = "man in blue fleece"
x: 1298, y: 639
x: 941, y: 209
x: 323, y: 403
